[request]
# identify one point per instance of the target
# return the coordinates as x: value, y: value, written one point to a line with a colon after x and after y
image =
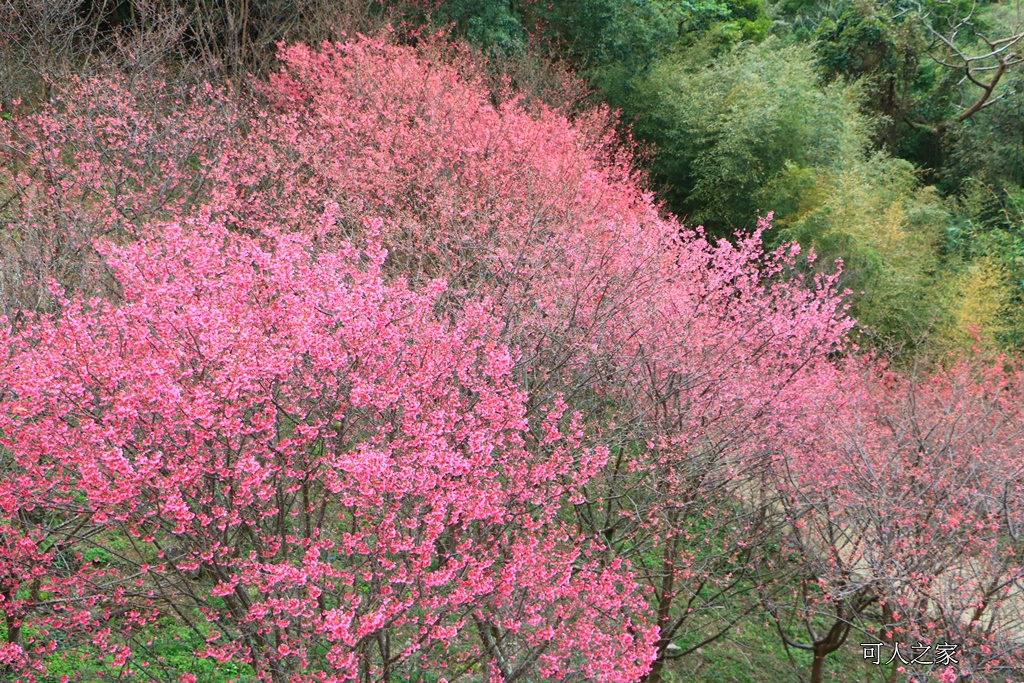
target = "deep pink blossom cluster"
x: 340, y: 463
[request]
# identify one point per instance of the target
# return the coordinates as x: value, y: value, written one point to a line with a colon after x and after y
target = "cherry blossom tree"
x: 904, y: 493
x: 683, y: 355
x: 680, y: 357
x: 301, y: 462
x: 104, y: 159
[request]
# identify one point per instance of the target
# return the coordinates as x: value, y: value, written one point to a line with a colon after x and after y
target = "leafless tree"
x: 980, y: 61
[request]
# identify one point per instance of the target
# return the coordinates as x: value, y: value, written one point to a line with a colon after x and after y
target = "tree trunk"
x: 818, y: 667
x: 664, y: 609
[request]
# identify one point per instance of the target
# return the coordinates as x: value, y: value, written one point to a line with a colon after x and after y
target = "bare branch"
x: 984, y: 71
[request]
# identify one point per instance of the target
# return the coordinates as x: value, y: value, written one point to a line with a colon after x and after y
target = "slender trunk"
x: 818, y: 667
x: 664, y: 610
x: 12, y: 622
x: 656, y: 667
x: 13, y: 628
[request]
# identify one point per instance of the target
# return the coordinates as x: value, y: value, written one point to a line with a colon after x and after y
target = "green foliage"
x: 978, y: 298
x: 747, y: 20
x: 861, y: 42
x: 611, y: 41
x: 625, y: 33
x: 990, y: 146
x: 754, y: 653
x: 775, y: 127
x: 866, y: 43
x: 490, y: 24
x: 96, y: 556
x: 728, y: 127
x: 872, y: 213
x: 986, y: 255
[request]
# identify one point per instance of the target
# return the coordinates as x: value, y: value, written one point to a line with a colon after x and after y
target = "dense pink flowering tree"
x: 683, y: 358
x: 302, y: 462
x: 739, y: 342
x: 905, y: 494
